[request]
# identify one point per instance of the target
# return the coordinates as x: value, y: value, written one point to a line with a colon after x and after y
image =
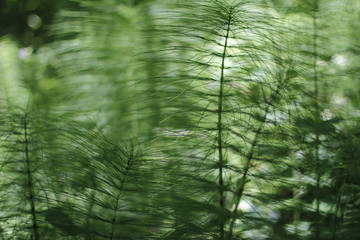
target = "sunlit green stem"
x: 220, y: 131
x: 30, y: 184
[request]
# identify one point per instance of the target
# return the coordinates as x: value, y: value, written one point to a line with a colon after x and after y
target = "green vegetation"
x: 154, y: 119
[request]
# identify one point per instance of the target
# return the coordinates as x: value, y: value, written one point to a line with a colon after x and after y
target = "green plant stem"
x: 337, y: 208
x: 30, y: 184
x: 122, y: 181
x: 241, y: 187
x: 317, y: 117
x: 220, y: 131
x: 152, y: 72
x: 250, y: 155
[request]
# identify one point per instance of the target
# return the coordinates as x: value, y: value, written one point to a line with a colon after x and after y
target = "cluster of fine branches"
x: 209, y: 119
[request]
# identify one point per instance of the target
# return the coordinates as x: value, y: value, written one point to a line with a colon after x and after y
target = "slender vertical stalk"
x: 220, y: 130
x: 241, y: 187
x: 113, y: 220
x: 337, y: 209
x: 152, y: 72
x: 250, y: 156
x: 30, y: 185
x: 122, y: 181
x: 317, y: 115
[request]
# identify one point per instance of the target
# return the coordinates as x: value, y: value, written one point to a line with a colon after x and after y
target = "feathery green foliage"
x: 183, y: 120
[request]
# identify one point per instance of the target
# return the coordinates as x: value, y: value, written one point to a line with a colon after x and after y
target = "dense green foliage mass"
x: 167, y: 120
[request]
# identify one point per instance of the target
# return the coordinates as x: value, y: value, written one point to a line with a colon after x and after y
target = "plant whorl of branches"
x: 225, y: 89
x: 210, y: 120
